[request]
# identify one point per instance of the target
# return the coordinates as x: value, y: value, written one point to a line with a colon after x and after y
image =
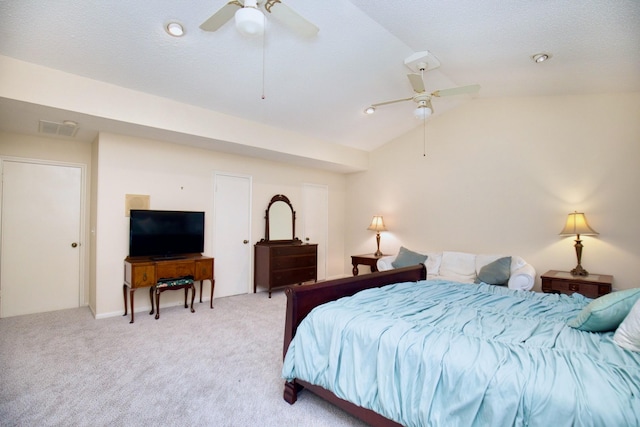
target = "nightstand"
x: 367, y: 259
x: 563, y: 282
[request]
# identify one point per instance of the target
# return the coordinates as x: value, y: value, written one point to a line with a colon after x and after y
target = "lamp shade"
x: 377, y: 224
x: 577, y: 224
x: 249, y: 21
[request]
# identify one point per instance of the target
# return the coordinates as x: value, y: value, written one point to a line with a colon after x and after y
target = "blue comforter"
x: 438, y: 353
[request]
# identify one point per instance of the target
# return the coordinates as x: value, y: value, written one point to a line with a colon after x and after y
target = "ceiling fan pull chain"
x: 264, y: 61
x: 424, y: 136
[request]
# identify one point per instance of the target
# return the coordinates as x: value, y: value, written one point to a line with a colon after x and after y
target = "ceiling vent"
x: 66, y: 128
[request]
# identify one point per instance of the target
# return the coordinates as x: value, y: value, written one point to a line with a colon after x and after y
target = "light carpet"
x: 217, y: 367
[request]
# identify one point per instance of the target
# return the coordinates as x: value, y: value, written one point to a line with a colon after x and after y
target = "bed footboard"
x: 302, y: 299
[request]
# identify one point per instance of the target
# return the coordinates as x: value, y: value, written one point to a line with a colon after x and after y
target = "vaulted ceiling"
x: 319, y: 86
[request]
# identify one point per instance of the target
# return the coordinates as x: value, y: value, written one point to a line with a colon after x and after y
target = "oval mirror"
x: 280, y: 219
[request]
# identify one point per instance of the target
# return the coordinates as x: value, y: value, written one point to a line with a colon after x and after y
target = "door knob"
x: 245, y: 241
x: 74, y: 245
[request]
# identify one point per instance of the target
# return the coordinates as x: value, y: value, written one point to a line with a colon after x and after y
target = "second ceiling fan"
x: 422, y: 98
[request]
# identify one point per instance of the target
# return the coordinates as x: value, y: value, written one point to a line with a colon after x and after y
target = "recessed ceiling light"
x: 175, y: 29
x: 540, y: 57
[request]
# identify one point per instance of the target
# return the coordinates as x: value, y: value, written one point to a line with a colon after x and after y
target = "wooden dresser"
x: 284, y: 263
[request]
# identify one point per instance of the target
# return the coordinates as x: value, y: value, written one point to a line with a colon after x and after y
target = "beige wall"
x: 181, y: 177
x: 501, y: 175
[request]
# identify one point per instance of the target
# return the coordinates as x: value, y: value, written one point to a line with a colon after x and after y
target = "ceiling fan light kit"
x: 422, y: 112
x: 249, y: 20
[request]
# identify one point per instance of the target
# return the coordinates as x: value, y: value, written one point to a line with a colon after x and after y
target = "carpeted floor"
x: 217, y: 367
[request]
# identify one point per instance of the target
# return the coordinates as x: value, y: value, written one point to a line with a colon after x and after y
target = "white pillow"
x: 458, y: 266
x: 628, y: 333
x: 433, y: 262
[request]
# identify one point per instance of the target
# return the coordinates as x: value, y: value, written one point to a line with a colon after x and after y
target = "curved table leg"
x: 124, y: 294
x: 131, y: 291
x: 213, y: 283
x: 193, y: 295
x: 157, y: 303
x: 151, y: 289
x: 186, y: 291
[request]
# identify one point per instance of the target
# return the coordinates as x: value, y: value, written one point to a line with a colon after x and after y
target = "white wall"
x: 181, y: 177
x: 501, y: 175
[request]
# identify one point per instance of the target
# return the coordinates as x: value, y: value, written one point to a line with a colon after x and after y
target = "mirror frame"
x: 285, y: 199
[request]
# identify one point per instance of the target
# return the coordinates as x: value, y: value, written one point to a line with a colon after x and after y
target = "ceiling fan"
x: 421, y: 97
x: 250, y: 20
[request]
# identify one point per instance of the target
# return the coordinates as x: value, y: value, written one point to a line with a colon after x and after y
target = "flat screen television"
x: 165, y: 234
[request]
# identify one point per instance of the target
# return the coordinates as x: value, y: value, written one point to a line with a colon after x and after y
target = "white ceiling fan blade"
x: 224, y: 14
x: 416, y: 82
x: 391, y: 102
x: 457, y: 90
x: 290, y: 18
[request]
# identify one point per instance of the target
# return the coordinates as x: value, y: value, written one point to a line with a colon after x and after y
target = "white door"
x: 232, y: 234
x: 315, y: 200
x: 40, y: 242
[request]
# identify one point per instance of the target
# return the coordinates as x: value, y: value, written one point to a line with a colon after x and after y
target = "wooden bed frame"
x: 302, y: 299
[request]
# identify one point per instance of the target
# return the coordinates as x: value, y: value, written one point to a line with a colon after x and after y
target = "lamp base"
x: 378, y: 253
x: 579, y: 271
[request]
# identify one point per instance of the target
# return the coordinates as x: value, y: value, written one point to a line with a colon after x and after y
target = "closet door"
x: 232, y: 234
x: 315, y: 200
x: 40, y: 243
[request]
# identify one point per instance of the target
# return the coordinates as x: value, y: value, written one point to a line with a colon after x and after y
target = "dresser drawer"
x: 293, y: 250
x: 589, y: 290
x: 289, y: 277
x: 140, y: 275
x: 175, y: 269
x: 280, y: 263
x: 563, y: 282
x: 203, y: 269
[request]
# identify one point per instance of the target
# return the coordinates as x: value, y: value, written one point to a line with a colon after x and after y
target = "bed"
x: 406, y: 351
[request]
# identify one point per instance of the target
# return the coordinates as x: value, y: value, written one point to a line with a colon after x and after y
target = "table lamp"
x: 577, y: 224
x: 377, y: 225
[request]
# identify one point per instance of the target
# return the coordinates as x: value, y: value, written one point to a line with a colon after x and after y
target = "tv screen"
x: 165, y: 233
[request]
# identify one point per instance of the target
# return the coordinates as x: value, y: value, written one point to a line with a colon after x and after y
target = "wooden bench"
x: 172, y: 285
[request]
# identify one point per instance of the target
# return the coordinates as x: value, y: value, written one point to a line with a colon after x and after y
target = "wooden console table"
x: 143, y: 272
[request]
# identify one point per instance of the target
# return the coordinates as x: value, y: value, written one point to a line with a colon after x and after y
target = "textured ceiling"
x: 319, y: 86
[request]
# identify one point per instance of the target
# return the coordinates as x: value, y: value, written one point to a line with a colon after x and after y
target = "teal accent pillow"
x: 407, y: 258
x: 607, y: 312
x: 496, y: 272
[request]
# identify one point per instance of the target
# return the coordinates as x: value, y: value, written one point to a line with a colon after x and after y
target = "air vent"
x: 66, y: 128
